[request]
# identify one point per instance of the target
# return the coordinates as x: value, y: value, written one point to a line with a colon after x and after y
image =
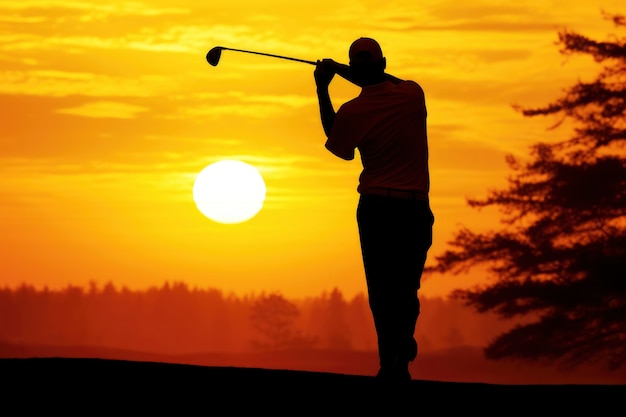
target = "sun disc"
x: 229, y: 191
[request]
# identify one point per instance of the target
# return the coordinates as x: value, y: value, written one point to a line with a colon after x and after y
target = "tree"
x: 561, y: 256
x: 274, y: 317
x: 337, y: 327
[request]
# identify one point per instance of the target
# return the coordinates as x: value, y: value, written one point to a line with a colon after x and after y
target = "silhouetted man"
x: 387, y: 124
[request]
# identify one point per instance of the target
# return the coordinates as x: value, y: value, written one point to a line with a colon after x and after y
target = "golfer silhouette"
x: 386, y: 122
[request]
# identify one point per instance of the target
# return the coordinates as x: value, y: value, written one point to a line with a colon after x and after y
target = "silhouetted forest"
x: 176, y: 319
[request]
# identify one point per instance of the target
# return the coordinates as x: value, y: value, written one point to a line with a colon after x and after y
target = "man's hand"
x: 324, y: 73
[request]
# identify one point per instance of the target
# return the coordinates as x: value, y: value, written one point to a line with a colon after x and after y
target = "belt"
x: 395, y: 193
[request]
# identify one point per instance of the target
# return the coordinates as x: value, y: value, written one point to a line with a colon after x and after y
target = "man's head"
x: 365, y: 50
x: 367, y: 60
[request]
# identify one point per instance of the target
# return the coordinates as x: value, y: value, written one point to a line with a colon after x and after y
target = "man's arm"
x: 325, y: 70
x: 346, y: 72
x: 327, y: 112
x: 323, y: 76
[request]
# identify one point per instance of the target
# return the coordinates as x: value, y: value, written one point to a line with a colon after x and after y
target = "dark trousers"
x: 395, y: 236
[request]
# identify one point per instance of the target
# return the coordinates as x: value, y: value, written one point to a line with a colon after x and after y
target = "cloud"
x: 22, y: 19
x: 256, y: 106
x: 289, y: 100
x: 65, y: 83
x: 91, y: 9
x: 150, y: 37
x: 105, y: 109
x: 259, y: 111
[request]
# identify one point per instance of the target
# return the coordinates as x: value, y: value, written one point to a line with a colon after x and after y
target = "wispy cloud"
x: 91, y: 9
x: 105, y: 109
x: 257, y: 111
x: 57, y: 83
x: 239, y: 104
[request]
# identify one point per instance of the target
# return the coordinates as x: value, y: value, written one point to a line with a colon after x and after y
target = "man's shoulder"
x: 410, y: 84
x: 412, y: 87
x: 352, y: 103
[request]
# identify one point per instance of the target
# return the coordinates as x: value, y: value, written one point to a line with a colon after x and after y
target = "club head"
x: 213, y: 56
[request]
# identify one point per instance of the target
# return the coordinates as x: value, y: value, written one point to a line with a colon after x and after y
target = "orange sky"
x: 109, y: 111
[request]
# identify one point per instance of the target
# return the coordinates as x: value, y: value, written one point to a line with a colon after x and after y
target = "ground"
x: 75, y: 386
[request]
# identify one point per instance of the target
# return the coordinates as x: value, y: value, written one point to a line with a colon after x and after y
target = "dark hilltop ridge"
x: 91, y: 386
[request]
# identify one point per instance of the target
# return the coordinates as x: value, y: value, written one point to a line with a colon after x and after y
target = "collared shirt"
x: 387, y: 124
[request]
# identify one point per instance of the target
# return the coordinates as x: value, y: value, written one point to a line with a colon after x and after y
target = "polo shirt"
x: 386, y: 123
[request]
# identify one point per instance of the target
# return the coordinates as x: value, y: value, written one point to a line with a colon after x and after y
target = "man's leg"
x: 371, y: 215
x: 395, y: 235
x: 416, y: 238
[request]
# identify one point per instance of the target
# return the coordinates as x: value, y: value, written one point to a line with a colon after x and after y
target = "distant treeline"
x: 176, y: 319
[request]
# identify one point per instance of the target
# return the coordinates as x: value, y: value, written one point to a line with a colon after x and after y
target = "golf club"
x: 213, y: 56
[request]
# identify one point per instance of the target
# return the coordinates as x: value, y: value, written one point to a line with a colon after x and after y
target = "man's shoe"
x: 412, y: 350
x: 396, y: 374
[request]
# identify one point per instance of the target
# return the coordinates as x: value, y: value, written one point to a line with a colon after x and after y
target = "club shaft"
x: 272, y: 55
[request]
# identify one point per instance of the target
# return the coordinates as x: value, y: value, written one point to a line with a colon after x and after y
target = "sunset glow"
x: 110, y: 112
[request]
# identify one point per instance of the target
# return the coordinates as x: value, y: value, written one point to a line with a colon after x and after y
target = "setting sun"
x: 229, y: 191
